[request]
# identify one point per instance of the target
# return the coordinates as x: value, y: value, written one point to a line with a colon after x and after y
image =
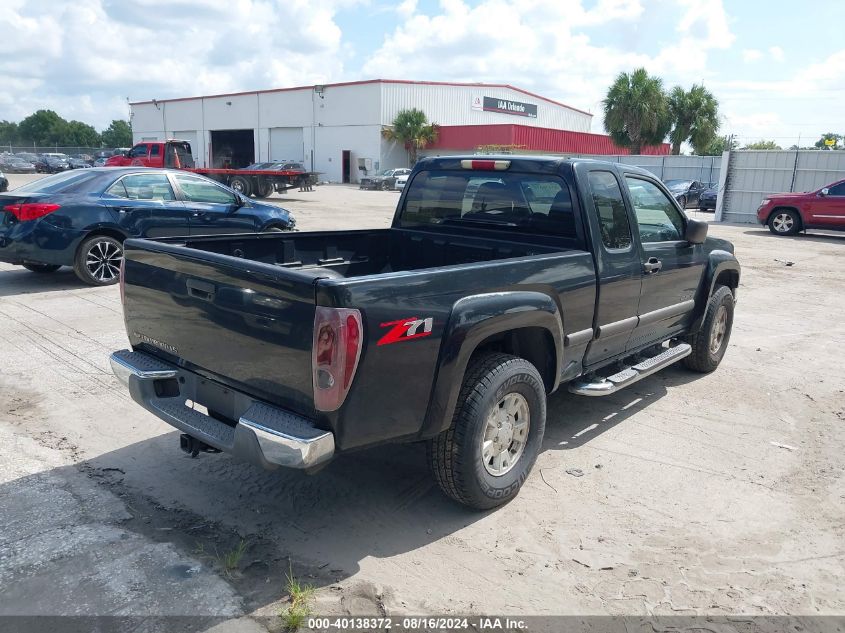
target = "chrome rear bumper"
x: 263, y: 434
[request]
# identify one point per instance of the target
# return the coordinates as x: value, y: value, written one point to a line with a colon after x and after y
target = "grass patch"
x: 299, y: 596
x: 231, y: 560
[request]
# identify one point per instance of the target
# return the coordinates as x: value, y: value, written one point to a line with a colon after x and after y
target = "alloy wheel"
x: 103, y: 261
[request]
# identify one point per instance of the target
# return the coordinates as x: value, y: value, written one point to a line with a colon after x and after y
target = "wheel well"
x: 797, y: 212
x: 534, y: 344
x: 109, y: 232
x: 729, y: 278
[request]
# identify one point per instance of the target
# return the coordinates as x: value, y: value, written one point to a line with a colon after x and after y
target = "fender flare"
x: 474, y: 319
x: 718, y: 262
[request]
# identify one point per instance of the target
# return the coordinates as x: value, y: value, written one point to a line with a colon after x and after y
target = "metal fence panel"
x: 752, y: 175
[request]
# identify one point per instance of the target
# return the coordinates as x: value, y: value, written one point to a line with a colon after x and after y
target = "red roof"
x: 530, y: 138
x: 367, y: 81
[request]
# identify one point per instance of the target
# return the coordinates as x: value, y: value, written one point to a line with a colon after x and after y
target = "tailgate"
x: 242, y: 323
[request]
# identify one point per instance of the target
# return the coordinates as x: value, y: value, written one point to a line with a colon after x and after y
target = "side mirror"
x: 824, y: 192
x: 696, y: 231
x: 239, y: 202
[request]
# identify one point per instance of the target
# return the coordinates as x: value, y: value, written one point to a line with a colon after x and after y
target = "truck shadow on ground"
x: 20, y: 281
x: 379, y: 502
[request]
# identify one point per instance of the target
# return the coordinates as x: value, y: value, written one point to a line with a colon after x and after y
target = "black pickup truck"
x: 499, y: 280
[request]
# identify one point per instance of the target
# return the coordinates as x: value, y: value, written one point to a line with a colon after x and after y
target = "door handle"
x: 652, y: 265
x: 123, y: 209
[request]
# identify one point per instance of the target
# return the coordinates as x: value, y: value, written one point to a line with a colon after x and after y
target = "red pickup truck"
x: 788, y: 213
x: 176, y: 154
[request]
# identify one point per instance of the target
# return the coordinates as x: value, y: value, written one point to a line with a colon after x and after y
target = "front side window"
x: 657, y: 217
x: 201, y: 190
x: 138, y: 151
x: 614, y: 226
x: 143, y: 187
x: 837, y: 190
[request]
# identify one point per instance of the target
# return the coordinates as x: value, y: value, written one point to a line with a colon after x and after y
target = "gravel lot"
x: 717, y: 494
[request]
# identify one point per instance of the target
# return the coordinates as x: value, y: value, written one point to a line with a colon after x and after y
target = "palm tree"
x: 412, y: 129
x: 695, y: 118
x: 636, y: 111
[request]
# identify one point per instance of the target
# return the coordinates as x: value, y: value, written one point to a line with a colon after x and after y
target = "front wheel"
x: 42, y: 268
x: 784, y: 222
x: 711, y: 340
x: 483, y: 459
x: 97, y: 262
x: 683, y: 202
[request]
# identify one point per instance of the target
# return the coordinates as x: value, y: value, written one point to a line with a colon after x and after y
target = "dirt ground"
x: 684, y: 494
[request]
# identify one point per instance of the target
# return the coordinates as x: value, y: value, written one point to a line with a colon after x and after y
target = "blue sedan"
x: 80, y: 218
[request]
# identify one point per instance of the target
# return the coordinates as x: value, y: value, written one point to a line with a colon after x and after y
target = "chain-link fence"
x: 54, y: 149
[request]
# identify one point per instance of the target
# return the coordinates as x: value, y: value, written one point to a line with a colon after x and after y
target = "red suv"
x: 788, y: 213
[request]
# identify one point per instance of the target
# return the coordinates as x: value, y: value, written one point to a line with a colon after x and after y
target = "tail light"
x: 497, y: 165
x: 121, y: 283
x: 334, y: 355
x: 31, y: 210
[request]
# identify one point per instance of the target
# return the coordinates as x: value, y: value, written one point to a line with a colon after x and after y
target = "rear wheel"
x: 784, y: 222
x: 263, y: 189
x: 683, y: 202
x: 241, y: 185
x: 42, y: 268
x: 483, y: 459
x: 97, y: 260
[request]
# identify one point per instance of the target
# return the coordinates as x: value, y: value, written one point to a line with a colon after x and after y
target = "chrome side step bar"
x: 627, y: 377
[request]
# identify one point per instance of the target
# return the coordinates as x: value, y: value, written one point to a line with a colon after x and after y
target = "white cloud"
x: 549, y: 46
x: 751, y: 55
x: 776, y: 53
x: 406, y: 8
x: 52, y: 53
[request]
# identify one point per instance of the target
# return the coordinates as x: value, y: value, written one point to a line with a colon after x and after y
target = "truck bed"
x: 345, y: 254
x: 239, y: 309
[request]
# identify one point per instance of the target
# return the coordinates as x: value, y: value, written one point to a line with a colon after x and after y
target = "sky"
x: 777, y: 67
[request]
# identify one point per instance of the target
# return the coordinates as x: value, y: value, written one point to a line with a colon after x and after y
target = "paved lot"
x: 700, y: 494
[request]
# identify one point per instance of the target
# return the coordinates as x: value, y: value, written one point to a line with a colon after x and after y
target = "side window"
x: 147, y: 187
x: 154, y: 150
x: 138, y: 151
x: 610, y: 208
x: 199, y: 190
x: 837, y: 190
x: 117, y: 190
x: 657, y: 217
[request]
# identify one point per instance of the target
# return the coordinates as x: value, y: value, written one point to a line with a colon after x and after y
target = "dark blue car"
x: 80, y: 218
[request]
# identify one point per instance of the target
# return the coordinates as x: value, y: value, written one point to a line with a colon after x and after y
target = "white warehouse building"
x: 336, y: 129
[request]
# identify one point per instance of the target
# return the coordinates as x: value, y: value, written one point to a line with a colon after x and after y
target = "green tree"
x: 761, y: 144
x: 718, y: 145
x: 412, y: 129
x: 43, y: 127
x: 636, y: 111
x: 695, y: 118
x: 8, y: 132
x: 81, y: 135
x: 837, y: 138
x: 117, y: 134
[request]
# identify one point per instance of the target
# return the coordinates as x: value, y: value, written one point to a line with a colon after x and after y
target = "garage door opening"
x: 232, y: 148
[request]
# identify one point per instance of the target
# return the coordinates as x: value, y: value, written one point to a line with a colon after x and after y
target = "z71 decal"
x: 406, y: 329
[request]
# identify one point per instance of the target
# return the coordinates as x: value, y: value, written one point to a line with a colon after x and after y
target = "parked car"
x: 708, y: 197
x: 27, y: 156
x: 788, y: 213
x: 101, y: 161
x: 401, y: 181
x: 80, y: 218
x: 78, y: 163
x: 51, y: 164
x: 384, y: 180
x: 686, y: 192
x: 450, y: 327
x: 4, y: 182
x: 14, y: 165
